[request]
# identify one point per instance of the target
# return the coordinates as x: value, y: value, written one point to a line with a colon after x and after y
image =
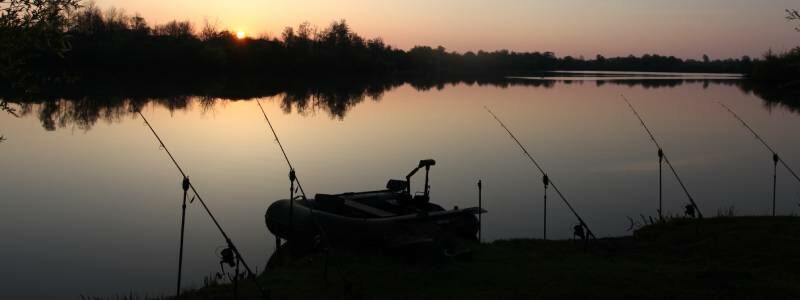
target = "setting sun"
x: 240, y: 35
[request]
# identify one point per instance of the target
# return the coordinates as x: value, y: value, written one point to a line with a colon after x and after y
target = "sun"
x: 240, y: 35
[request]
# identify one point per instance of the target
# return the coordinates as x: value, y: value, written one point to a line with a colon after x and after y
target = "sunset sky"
x: 685, y: 28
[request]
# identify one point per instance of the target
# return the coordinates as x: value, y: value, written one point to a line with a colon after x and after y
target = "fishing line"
x: 661, y: 153
x: 535, y: 163
x: 208, y: 211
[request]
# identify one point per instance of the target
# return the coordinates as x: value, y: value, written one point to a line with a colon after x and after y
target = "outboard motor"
x: 425, y: 197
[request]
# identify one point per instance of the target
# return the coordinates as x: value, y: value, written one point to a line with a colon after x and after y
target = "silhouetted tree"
x: 794, y: 16
x: 29, y: 29
x: 209, y: 31
x: 139, y: 25
x: 781, y: 67
x: 175, y: 29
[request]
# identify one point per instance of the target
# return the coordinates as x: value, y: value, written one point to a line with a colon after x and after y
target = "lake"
x: 91, y: 205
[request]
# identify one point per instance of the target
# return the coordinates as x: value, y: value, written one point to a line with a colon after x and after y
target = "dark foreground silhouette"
x: 723, y: 257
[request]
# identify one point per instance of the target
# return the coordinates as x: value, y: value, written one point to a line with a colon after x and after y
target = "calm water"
x: 91, y: 206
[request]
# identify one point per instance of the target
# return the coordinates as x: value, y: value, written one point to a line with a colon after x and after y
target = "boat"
x: 391, y: 217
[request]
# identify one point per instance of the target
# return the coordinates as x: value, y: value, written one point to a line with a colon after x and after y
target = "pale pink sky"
x: 685, y: 28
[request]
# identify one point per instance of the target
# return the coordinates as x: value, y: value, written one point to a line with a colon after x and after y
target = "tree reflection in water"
x: 80, y: 106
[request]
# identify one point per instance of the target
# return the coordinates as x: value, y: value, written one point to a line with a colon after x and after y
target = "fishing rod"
x: 208, y: 211
x: 758, y: 137
x: 293, y: 178
x: 480, y: 208
x: 664, y: 156
x: 550, y: 181
x: 286, y: 157
x: 775, y: 157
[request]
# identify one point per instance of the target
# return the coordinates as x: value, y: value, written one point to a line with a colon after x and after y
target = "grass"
x: 716, y: 258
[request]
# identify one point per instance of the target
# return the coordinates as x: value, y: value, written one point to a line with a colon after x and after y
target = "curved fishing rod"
x: 293, y: 178
x: 208, y: 211
x: 674, y: 172
x: 286, y: 157
x: 763, y: 142
x: 535, y: 163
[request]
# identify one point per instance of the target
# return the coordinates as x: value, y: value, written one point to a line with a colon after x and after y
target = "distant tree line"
x: 113, y: 42
x: 778, y: 67
x: 57, y: 40
x: 781, y: 67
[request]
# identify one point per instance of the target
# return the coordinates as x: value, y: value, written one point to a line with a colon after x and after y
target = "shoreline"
x: 721, y: 257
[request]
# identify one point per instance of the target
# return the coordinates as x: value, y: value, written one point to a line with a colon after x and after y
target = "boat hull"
x: 311, y: 226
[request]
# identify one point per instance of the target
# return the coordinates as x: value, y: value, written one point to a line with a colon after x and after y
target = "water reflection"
x: 787, y: 97
x: 110, y: 194
x: 82, y: 107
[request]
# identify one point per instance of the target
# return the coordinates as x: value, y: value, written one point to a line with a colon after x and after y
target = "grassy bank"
x: 726, y: 257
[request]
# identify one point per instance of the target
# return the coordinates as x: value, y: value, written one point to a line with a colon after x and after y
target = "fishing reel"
x: 577, y: 231
x: 228, y: 256
x: 689, y: 210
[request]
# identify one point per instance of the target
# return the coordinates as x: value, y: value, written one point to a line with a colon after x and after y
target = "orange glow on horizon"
x: 240, y: 35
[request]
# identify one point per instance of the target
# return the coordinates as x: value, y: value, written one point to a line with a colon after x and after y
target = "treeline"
x: 112, y: 42
x: 781, y: 67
